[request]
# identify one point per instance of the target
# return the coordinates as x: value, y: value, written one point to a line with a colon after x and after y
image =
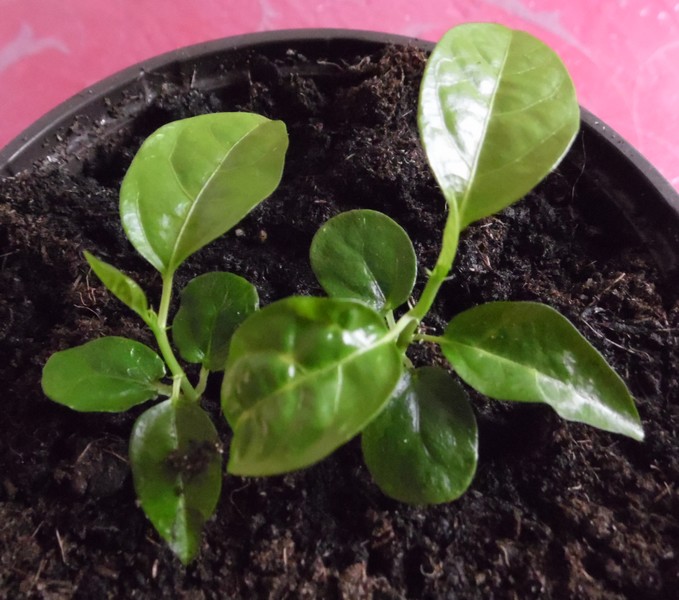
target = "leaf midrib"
x: 298, y: 381
x: 474, y: 167
x: 536, y: 372
x: 206, y: 185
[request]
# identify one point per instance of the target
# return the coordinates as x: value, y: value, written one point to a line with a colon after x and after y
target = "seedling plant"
x: 304, y: 375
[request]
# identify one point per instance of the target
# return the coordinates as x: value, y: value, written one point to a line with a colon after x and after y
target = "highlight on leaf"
x: 176, y: 465
x: 304, y: 376
x: 366, y: 255
x: 121, y: 286
x: 422, y: 448
x: 194, y: 179
x: 212, y: 306
x: 497, y: 113
x: 110, y: 374
x: 528, y: 352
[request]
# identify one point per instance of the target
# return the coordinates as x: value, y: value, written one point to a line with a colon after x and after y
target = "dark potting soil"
x: 557, y: 510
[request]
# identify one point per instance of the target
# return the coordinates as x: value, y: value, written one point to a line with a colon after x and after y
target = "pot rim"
x: 33, y: 143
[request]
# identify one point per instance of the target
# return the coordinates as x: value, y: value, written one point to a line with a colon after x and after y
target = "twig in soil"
x: 246, y: 485
x: 94, y: 312
x: 116, y: 455
x: 84, y: 452
x: 505, y: 554
x: 607, y: 289
x: 37, y: 529
x: 36, y: 577
x: 601, y: 335
x: 435, y: 573
x: 60, y: 541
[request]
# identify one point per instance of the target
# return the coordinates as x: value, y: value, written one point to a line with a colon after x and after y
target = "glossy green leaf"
x: 212, y: 307
x: 176, y: 465
x: 305, y: 375
x: 497, y: 113
x: 192, y: 180
x: 121, y: 286
x: 110, y: 374
x: 528, y: 352
x: 363, y: 254
x: 422, y: 448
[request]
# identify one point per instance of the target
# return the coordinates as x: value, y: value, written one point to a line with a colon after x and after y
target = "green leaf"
x: 110, y: 374
x: 121, y: 286
x: 528, y: 352
x: 176, y: 465
x: 422, y: 448
x: 497, y: 113
x: 305, y: 375
x: 212, y: 306
x: 192, y: 180
x: 363, y: 254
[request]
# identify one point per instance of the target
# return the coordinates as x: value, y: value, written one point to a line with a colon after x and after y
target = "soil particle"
x: 557, y: 510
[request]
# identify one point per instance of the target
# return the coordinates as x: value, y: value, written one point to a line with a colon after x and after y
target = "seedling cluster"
x: 304, y: 375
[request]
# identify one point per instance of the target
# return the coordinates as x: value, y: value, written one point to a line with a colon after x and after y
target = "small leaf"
x: 422, y: 448
x: 528, y: 352
x: 192, y: 180
x: 176, y: 465
x: 110, y: 374
x: 121, y: 286
x: 497, y: 113
x: 363, y: 254
x: 212, y: 307
x: 304, y: 376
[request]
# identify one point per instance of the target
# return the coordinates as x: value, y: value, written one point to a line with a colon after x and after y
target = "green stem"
x: 408, y: 323
x: 165, y: 298
x: 202, y: 381
x: 389, y: 316
x: 163, y: 389
x: 160, y: 331
x: 176, y: 389
x: 451, y: 238
x: 423, y: 337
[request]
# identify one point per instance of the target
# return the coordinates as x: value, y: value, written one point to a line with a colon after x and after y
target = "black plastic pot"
x: 605, y: 162
x: 604, y: 169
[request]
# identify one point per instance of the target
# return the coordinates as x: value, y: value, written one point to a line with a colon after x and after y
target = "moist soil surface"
x: 557, y: 510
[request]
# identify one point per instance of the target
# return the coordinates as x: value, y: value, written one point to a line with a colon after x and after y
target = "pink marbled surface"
x: 623, y: 54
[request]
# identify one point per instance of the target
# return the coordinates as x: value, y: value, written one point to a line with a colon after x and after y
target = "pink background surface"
x: 623, y: 54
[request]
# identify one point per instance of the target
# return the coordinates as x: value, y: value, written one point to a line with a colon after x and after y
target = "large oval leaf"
x: 363, y: 254
x: 497, y: 113
x: 110, y: 374
x: 212, y: 306
x: 176, y: 465
x: 192, y: 180
x: 528, y: 352
x: 305, y: 375
x: 121, y: 286
x: 422, y: 448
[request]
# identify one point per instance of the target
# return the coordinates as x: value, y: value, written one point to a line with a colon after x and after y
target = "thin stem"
x: 202, y: 381
x: 176, y: 389
x: 406, y: 326
x: 389, y: 316
x: 160, y: 331
x: 423, y: 337
x: 163, y: 389
x: 451, y: 238
x: 165, y: 298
